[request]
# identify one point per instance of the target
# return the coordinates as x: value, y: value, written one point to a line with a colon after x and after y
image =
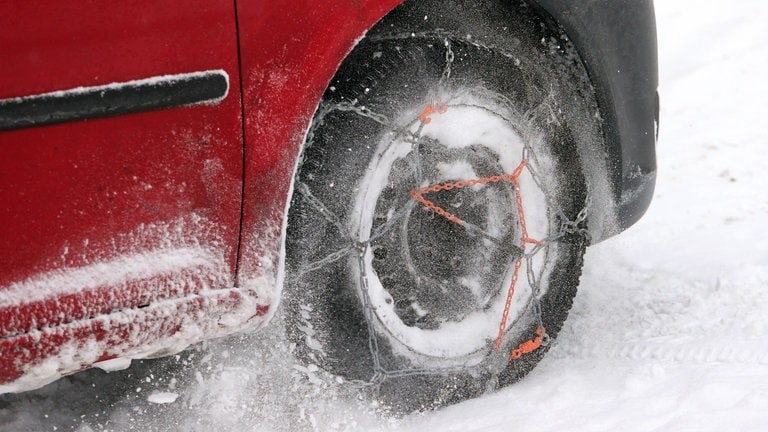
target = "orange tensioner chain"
x: 418, y: 194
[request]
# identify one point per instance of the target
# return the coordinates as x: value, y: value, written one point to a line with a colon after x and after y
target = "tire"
x: 384, y: 288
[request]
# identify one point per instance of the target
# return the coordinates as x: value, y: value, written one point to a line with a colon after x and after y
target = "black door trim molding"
x: 83, y: 103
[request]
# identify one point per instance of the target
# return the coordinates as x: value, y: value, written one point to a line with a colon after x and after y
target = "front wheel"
x: 435, y: 236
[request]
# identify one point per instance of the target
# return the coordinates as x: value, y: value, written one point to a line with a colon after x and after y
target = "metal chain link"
x: 363, y: 111
x: 329, y: 259
x: 313, y: 201
x: 449, y: 57
x: 443, y: 35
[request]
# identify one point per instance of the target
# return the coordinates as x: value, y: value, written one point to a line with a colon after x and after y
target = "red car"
x: 418, y: 181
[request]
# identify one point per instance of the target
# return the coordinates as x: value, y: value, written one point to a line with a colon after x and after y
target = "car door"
x: 120, y: 156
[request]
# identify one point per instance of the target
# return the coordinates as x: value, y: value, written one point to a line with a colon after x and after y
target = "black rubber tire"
x: 506, y: 49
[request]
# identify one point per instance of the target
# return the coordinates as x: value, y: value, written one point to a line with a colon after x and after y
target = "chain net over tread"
x: 357, y: 248
x: 356, y: 117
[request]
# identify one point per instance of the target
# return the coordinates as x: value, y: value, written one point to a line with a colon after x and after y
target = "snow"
x: 162, y: 397
x: 111, y: 273
x: 667, y: 333
x: 113, y: 365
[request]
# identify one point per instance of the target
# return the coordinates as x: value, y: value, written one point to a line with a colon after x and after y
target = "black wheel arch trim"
x: 617, y: 42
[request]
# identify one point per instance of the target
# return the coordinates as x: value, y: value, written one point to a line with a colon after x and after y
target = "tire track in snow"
x: 660, y: 314
x: 695, y: 351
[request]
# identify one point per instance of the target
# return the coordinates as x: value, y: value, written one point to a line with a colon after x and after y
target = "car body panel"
x: 101, y: 178
x: 136, y: 218
x: 87, y: 201
x: 287, y: 62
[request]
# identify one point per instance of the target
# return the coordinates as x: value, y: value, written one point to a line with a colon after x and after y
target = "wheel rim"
x: 435, y: 289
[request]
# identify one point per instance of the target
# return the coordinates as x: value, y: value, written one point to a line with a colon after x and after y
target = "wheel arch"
x: 287, y: 60
x: 617, y: 43
x: 296, y: 55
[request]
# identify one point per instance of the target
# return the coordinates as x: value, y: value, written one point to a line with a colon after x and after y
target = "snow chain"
x: 525, y: 250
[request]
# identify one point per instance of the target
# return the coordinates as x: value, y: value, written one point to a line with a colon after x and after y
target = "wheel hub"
x: 436, y: 287
x: 434, y: 269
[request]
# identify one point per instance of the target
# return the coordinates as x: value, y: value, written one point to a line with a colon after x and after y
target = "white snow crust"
x: 162, y: 397
x: 669, y: 331
x: 112, y: 273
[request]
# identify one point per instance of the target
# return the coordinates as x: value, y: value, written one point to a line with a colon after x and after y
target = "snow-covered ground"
x: 669, y: 331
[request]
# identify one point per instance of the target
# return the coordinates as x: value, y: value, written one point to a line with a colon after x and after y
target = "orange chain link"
x: 514, y: 177
x: 439, y: 108
x: 529, y: 346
